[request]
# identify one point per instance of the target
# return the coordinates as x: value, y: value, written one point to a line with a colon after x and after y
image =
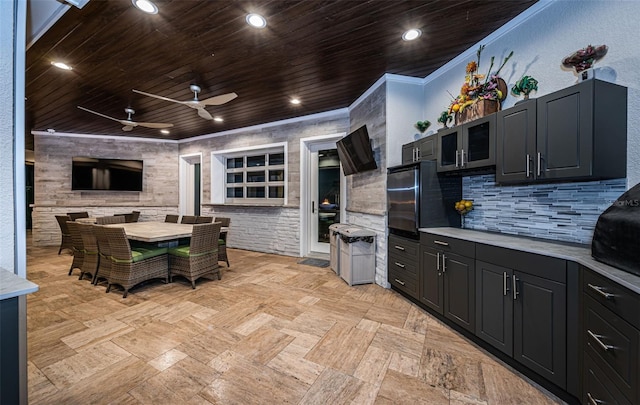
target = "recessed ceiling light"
x: 61, y: 65
x: 411, y: 34
x: 295, y: 101
x: 165, y: 131
x: 146, y: 6
x: 218, y: 119
x: 256, y: 20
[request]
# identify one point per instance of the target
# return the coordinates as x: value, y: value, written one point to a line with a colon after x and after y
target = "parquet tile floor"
x: 270, y: 332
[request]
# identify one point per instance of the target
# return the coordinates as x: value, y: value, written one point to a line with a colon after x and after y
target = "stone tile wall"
x: 560, y: 211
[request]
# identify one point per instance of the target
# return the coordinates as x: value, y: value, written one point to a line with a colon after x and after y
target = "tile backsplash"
x: 561, y: 211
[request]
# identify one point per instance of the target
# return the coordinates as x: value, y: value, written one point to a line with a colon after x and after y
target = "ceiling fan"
x: 128, y: 124
x: 195, y: 103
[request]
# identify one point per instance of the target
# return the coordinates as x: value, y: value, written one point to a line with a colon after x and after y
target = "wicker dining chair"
x: 91, y: 253
x: 104, y: 250
x: 172, y: 218
x: 203, y: 220
x: 66, y: 242
x: 130, y: 267
x: 200, y: 257
x: 114, y: 219
x: 76, y: 215
x: 188, y: 219
x: 222, y: 241
x: 78, y: 246
x: 132, y: 217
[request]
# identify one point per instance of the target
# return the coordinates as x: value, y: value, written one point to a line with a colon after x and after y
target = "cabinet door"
x: 479, y: 143
x: 516, y: 143
x: 494, y: 306
x: 449, y: 141
x: 408, y: 153
x: 459, y: 290
x: 539, y: 334
x: 431, y: 280
x: 427, y: 148
x: 565, y: 133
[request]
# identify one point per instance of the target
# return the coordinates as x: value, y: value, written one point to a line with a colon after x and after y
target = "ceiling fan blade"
x: 204, y: 114
x: 97, y: 113
x: 158, y: 97
x: 156, y: 125
x: 219, y: 100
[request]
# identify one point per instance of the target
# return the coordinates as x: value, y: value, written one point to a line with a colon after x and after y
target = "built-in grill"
x: 616, y: 238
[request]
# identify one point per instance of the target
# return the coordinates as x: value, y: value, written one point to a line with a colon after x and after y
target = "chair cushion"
x: 140, y: 253
x: 184, y: 251
x: 221, y: 241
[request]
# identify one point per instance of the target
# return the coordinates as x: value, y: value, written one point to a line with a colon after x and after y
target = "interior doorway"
x: 322, y: 188
x: 190, y: 184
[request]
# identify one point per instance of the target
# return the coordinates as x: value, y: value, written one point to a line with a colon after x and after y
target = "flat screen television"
x: 355, y: 153
x: 88, y: 173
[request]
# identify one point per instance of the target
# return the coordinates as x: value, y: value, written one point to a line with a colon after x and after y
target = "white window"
x: 254, y: 176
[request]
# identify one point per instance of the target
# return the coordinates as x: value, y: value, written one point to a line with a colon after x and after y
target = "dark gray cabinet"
x: 578, y: 133
x: 467, y: 146
x: 403, y: 264
x: 521, y: 308
x: 447, y: 278
x: 422, y: 149
x: 611, y: 335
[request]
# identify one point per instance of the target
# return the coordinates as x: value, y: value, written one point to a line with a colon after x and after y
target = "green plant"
x: 525, y: 86
x: 422, y: 125
x: 445, y: 118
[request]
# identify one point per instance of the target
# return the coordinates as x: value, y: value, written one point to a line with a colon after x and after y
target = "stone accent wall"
x: 261, y: 229
x: 378, y: 224
x: 291, y: 133
x: 53, y: 194
x: 559, y: 211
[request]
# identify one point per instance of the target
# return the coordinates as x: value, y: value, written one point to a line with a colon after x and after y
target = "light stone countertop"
x: 13, y: 286
x: 580, y: 254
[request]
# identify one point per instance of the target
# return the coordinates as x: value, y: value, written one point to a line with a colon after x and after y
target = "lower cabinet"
x: 402, y: 264
x: 447, y: 281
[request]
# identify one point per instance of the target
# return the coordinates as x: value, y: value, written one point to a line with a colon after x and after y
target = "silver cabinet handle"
x: 505, y: 290
x: 539, y: 163
x: 592, y: 400
x: 595, y: 337
x: 399, y: 248
x: 444, y: 263
x: 438, y: 261
x: 457, y: 159
x: 418, y: 154
x: 399, y: 282
x: 402, y: 266
x: 515, y: 288
x: 438, y: 242
x: 528, y: 165
x: 462, y: 158
x: 601, y: 291
x: 415, y: 154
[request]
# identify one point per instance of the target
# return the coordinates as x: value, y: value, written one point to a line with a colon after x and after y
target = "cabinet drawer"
x: 531, y: 263
x: 404, y: 247
x: 448, y: 244
x: 623, y: 302
x: 598, y: 389
x: 402, y: 266
x: 613, y: 345
x: 404, y: 282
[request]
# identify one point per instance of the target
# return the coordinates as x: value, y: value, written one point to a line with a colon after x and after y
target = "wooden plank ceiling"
x: 327, y: 53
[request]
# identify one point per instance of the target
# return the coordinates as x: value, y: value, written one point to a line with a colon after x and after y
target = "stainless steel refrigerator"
x: 417, y: 197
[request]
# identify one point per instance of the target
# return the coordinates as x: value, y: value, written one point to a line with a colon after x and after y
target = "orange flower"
x: 472, y: 67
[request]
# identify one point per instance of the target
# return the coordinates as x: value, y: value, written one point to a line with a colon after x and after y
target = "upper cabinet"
x: 422, y: 149
x: 579, y: 133
x: 467, y: 146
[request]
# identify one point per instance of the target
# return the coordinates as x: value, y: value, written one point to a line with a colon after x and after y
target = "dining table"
x: 153, y: 232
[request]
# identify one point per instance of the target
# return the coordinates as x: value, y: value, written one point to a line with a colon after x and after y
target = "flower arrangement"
x: 422, y: 126
x: 584, y: 58
x: 525, y: 86
x: 479, y: 86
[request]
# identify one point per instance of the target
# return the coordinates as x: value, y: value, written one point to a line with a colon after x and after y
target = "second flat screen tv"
x: 90, y: 173
x: 355, y: 153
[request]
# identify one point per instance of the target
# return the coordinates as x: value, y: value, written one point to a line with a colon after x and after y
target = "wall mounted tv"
x: 88, y: 173
x: 355, y: 153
